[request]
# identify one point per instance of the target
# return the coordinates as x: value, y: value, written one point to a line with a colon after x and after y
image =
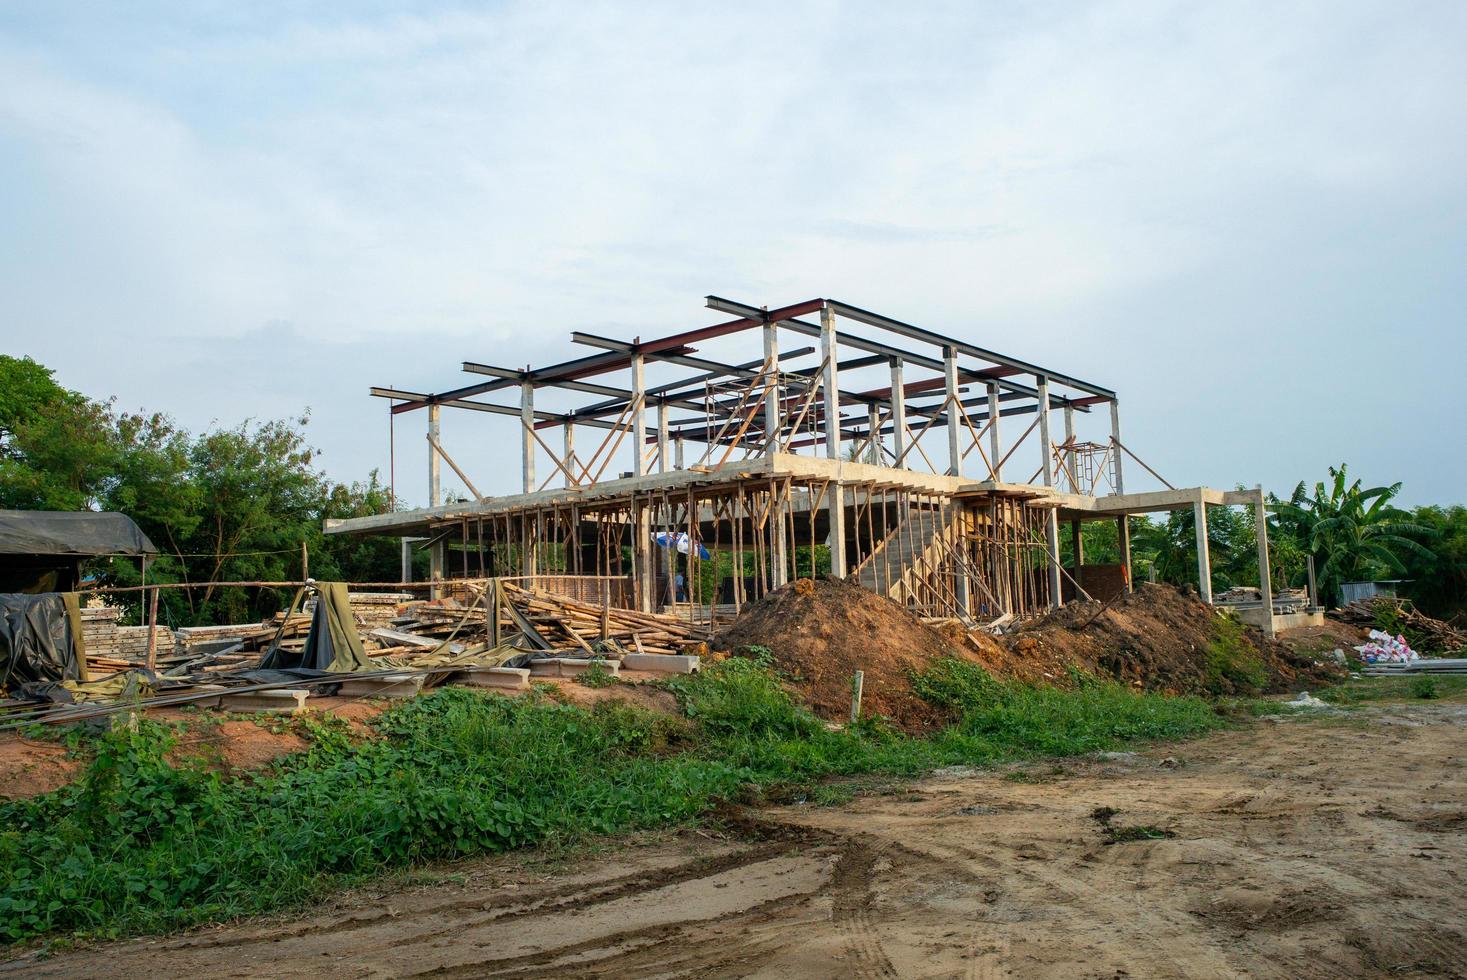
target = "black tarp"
x: 76, y: 533
x: 43, y: 550
x: 40, y: 638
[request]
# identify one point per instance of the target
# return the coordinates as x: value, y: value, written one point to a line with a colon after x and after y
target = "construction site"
x: 840, y: 442
x: 803, y: 634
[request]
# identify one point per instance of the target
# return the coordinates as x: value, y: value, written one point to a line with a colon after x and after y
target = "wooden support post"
x: 1204, y: 556
x: 1265, y: 579
x: 954, y: 412
x: 152, y: 660
x: 1123, y: 532
x: 898, y: 413
x: 1313, y: 584
x: 1077, y: 545
x: 858, y: 683
x: 1115, y: 442
x: 993, y: 419
x: 637, y: 422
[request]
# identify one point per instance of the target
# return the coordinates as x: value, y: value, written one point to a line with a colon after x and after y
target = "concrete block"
x: 283, y: 701
x: 666, y: 663
x: 505, y: 678
x: 386, y: 686
x: 570, y: 667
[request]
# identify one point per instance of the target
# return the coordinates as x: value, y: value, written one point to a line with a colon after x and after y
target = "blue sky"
x: 1249, y: 219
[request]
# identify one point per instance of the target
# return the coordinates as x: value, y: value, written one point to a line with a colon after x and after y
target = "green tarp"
x: 333, y: 643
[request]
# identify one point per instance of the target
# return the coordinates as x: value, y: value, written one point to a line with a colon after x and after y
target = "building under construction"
x: 945, y: 485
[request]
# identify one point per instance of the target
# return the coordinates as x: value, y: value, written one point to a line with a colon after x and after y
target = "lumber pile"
x: 1425, y: 632
x: 571, y: 624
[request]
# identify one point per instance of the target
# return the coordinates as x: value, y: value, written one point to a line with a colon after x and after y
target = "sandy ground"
x: 1321, y: 848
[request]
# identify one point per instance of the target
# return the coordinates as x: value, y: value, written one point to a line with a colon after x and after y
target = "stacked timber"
x: 99, y: 631
x: 132, y: 642
x: 567, y: 623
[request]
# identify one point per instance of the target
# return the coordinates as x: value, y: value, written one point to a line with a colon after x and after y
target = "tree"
x: 1354, y: 534
x: 1439, y: 582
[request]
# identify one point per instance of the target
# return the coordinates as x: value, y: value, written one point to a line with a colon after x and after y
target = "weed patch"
x: 1233, y: 667
x: 148, y: 841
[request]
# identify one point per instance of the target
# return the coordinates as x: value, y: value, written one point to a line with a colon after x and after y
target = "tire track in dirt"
x: 851, y: 907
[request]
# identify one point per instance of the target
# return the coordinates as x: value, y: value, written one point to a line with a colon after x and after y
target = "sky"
x: 1250, y: 219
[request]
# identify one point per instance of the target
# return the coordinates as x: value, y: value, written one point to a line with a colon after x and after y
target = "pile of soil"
x: 822, y: 632
x: 1158, y: 638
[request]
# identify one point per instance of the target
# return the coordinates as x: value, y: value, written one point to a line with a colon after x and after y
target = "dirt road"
x: 1321, y: 848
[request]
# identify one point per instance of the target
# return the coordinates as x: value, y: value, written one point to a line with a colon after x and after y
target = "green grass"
x: 143, y: 842
x: 1367, y: 689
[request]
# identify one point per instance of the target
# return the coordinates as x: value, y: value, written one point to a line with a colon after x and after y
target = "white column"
x: 1115, y: 440
x: 435, y: 497
x: 639, y: 403
x: 1051, y: 527
x: 570, y: 451
x: 1204, y: 556
x: 678, y: 452
x: 954, y: 413
x: 663, y: 463
x: 873, y: 425
x: 1045, y: 447
x: 434, y: 460
x: 407, y: 560
x: 898, y: 411
x: 1265, y: 581
x: 836, y: 498
x: 527, y: 434
x: 771, y: 400
x: 1069, y: 451
x: 993, y: 419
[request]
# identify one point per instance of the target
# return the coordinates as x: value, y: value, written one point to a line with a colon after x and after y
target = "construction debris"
x: 1427, y: 633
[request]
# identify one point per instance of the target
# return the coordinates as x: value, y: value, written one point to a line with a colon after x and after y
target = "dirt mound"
x: 1159, y: 638
x: 822, y: 632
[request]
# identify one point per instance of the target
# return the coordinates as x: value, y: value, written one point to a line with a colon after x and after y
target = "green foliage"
x: 146, y: 842
x: 1233, y: 667
x: 596, y: 675
x: 1438, y: 580
x: 1424, y: 687
x: 1354, y: 534
x: 1366, y: 689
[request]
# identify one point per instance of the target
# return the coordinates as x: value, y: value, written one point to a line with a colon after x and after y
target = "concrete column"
x: 1070, y: 452
x: 954, y: 413
x: 407, y: 560
x: 435, y: 497
x: 570, y: 452
x: 1204, y: 555
x: 771, y: 400
x: 898, y: 411
x: 1265, y: 581
x: 642, y: 564
x: 663, y: 463
x: 678, y: 452
x: 993, y: 420
x: 830, y: 383
x: 873, y: 425
x: 1046, y: 448
x: 835, y: 496
x: 639, y: 404
x: 1115, y: 439
x: 435, y: 460
x: 527, y: 434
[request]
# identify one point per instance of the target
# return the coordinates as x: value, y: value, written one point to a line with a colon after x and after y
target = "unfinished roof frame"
x: 762, y: 418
